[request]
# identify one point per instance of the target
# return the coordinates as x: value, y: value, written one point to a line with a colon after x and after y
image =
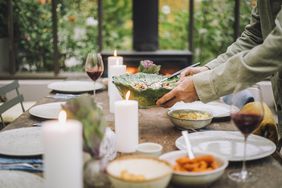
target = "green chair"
x: 9, y: 103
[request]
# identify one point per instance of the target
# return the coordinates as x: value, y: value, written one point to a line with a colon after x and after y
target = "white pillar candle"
x: 115, y: 60
x: 114, y: 70
x: 126, y: 125
x: 62, y: 142
x: 115, y: 96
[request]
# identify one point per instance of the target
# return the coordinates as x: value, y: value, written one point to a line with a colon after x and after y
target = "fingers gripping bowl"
x: 144, y: 87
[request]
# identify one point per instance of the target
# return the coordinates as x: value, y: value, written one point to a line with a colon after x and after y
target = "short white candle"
x: 115, y: 60
x: 114, y: 70
x: 62, y: 142
x: 126, y: 125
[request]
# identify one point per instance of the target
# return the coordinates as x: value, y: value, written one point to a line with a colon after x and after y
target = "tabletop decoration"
x: 126, y: 125
x: 62, y: 141
x: 147, y: 66
x: 141, y: 87
x: 86, y: 110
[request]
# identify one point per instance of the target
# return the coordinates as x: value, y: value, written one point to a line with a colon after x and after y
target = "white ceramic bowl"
x: 156, y: 172
x: 195, y: 178
x: 149, y: 149
x: 189, y: 123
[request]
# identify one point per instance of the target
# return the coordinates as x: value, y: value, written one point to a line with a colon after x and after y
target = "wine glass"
x: 246, y: 117
x: 94, y: 67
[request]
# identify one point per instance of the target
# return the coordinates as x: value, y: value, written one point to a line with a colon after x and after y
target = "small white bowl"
x: 189, y: 123
x: 149, y: 149
x: 156, y: 172
x: 195, y: 178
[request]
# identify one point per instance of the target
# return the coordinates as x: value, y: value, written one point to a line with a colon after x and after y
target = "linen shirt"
x: 254, y: 56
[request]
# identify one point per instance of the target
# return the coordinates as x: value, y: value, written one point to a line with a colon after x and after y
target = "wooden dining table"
x: 155, y: 126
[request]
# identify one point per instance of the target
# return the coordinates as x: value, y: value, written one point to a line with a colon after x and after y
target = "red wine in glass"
x: 94, y: 67
x: 245, y: 122
x: 246, y: 118
x: 94, y: 73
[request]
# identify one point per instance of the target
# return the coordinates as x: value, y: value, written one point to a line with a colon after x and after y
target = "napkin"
x: 268, y: 127
x: 34, y: 164
x: 22, y: 167
x: 9, y: 160
x: 241, y: 98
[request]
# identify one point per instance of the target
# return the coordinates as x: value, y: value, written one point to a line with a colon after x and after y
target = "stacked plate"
x: 18, y: 148
x: 75, y: 86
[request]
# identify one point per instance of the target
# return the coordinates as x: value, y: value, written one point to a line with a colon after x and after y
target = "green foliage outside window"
x: 117, y: 25
x: 78, y: 29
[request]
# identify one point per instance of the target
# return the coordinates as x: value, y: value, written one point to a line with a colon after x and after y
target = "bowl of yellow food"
x: 139, y: 172
x: 190, y: 119
x: 203, y: 170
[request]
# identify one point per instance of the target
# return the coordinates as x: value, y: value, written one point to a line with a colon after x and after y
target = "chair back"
x: 9, y: 103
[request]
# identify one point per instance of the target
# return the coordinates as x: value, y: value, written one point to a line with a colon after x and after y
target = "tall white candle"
x: 115, y: 60
x: 114, y: 70
x: 62, y: 142
x: 126, y: 125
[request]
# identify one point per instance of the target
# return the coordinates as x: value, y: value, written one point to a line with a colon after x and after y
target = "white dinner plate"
x: 47, y: 111
x: 218, y: 109
x: 75, y: 86
x: 18, y: 179
x: 229, y: 144
x: 21, y: 142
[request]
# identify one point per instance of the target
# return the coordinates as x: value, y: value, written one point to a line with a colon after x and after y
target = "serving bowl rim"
x: 220, y: 168
x: 170, y: 112
x: 140, y: 157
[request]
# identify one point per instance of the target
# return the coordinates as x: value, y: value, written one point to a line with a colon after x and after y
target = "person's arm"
x: 250, y: 38
x: 247, y: 67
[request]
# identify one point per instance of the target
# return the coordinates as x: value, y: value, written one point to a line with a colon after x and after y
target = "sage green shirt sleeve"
x: 250, y: 38
x: 246, y: 67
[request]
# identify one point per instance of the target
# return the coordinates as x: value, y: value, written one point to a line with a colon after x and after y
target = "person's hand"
x: 189, y: 71
x: 185, y: 91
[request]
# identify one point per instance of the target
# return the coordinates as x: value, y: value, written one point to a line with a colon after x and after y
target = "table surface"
x: 154, y: 126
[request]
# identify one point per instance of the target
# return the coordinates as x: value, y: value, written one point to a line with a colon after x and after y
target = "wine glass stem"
x: 244, y: 172
x: 94, y: 91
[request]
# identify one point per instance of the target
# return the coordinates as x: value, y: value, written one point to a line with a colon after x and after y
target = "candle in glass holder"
x: 62, y: 141
x: 126, y: 125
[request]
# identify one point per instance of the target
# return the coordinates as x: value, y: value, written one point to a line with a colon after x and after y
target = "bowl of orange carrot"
x: 204, y: 169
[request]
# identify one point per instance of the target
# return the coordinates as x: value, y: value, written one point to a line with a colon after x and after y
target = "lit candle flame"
x: 62, y: 117
x: 115, y: 53
x: 127, y: 95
